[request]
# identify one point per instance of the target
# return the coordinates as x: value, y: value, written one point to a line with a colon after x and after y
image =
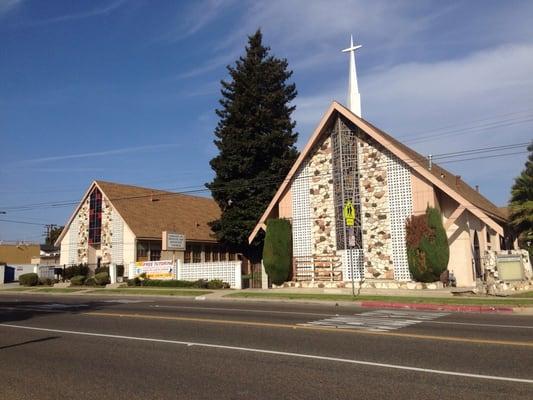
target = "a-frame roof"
x: 148, y: 212
x: 457, y: 189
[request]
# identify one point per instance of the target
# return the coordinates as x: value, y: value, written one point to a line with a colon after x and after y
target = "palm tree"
x: 521, y: 204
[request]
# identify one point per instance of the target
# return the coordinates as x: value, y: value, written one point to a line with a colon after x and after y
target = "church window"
x: 95, y: 217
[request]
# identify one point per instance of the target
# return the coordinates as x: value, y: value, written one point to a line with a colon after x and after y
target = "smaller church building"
x: 121, y: 224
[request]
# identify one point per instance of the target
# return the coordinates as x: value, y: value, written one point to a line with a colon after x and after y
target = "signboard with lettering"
x: 173, y: 241
x: 163, y: 269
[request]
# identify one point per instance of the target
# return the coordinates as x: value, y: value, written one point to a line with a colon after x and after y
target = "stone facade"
x: 321, y: 199
x: 106, y: 232
x: 327, y: 264
x: 83, y: 233
x: 82, y: 241
x: 375, y: 212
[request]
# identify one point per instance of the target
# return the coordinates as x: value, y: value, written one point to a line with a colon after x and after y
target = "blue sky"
x: 125, y: 90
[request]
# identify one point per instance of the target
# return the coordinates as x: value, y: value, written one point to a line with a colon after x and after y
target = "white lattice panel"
x: 117, y: 238
x: 352, y: 263
x: 401, y: 208
x: 73, y: 241
x: 227, y: 271
x: 301, y: 214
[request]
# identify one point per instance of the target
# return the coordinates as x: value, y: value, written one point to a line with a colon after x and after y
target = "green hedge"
x: 102, y: 278
x: 31, y: 279
x: 77, y: 280
x: 277, y: 250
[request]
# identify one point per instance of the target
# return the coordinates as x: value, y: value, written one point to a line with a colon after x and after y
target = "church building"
x: 123, y: 224
x: 349, y: 161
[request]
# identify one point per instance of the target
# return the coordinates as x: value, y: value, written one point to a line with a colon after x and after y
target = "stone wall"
x: 106, y: 233
x: 83, y: 233
x: 375, y: 212
x: 321, y: 199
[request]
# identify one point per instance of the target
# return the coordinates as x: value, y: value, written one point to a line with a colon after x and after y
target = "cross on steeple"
x: 354, y: 98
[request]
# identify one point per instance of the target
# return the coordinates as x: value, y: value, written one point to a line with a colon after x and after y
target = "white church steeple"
x: 354, y: 98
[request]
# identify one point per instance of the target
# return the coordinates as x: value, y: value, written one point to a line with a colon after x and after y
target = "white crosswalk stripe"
x: 379, y: 320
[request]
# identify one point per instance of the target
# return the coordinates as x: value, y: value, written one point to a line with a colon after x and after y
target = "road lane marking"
x: 311, y: 328
x: 331, y: 315
x: 245, y: 310
x: 377, y: 321
x: 278, y: 353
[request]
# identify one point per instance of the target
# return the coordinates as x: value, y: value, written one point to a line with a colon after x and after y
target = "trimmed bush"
x: 101, y: 269
x: 90, y: 282
x: 277, y: 250
x: 102, y: 278
x: 77, y: 280
x: 215, y: 284
x: 46, y: 281
x: 31, y: 279
x: 428, y: 251
x: 76, y: 270
x: 134, y: 282
x: 170, y: 283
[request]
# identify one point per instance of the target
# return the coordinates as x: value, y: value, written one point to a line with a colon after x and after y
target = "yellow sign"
x: 349, y: 213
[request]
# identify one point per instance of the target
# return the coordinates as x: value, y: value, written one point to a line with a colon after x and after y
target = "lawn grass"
x: 57, y: 290
x: 514, y: 302
x: 155, y: 292
x: 19, y: 289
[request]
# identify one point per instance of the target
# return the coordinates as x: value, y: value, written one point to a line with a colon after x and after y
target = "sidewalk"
x: 437, y: 300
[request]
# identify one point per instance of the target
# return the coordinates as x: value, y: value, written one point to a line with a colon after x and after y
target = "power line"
x: 443, y: 158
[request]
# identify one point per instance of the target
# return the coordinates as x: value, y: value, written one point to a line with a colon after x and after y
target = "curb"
x: 437, y: 307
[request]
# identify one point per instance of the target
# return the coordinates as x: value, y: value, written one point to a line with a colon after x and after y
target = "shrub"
x: 134, y: 282
x: 169, y: 283
x: 277, y: 250
x: 31, y: 279
x: 201, y: 284
x: 215, y: 284
x: 90, y: 282
x: 77, y: 280
x: 102, y: 278
x: 427, y: 246
x: 120, y: 270
x: 76, y: 270
x: 46, y: 281
x: 101, y: 269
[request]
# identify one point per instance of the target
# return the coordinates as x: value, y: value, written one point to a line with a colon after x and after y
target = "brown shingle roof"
x: 149, y: 212
x: 448, y: 178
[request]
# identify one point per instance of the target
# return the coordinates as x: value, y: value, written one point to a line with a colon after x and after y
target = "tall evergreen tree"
x: 521, y: 204
x: 255, y: 140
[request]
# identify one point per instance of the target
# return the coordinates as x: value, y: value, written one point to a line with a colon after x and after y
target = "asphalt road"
x: 74, y: 347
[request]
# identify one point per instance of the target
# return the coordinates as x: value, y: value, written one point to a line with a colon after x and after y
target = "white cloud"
x: 124, y: 150
x: 8, y: 5
x: 82, y: 15
x: 483, y: 99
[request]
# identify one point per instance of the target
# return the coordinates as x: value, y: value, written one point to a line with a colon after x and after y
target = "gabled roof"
x: 457, y: 189
x: 149, y: 212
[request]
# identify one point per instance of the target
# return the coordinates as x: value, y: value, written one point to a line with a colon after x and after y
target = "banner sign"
x: 173, y: 241
x: 164, y: 269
